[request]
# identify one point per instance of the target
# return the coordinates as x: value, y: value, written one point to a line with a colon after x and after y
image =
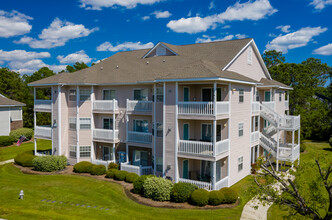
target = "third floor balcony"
x: 104, y: 106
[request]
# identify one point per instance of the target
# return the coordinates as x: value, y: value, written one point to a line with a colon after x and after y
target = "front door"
x: 106, y: 153
x: 206, y: 132
x: 267, y: 95
x: 207, y: 95
x: 186, y: 94
x: 185, y: 131
x: 185, y: 169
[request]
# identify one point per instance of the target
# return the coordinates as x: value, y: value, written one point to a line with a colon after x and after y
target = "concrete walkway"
x: 7, y: 161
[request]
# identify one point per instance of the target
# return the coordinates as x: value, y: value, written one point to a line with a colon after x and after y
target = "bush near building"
x: 200, y: 197
x: 6, y: 141
x: 25, y: 159
x: 216, y: 198
x: 98, y: 170
x: 158, y: 188
x: 26, y: 132
x: 229, y: 194
x: 181, y: 192
x: 138, y: 184
x: 49, y: 163
x: 83, y: 167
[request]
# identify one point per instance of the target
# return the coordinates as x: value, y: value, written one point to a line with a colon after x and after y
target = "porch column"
x: 278, y: 134
x: 293, y: 137
x: 35, y: 118
x: 59, y: 121
x: 92, y: 155
x: 127, y: 152
x: 164, y: 126
x: 77, y: 124
x: 114, y: 128
x: 298, y: 142
x: 215, y: 98
x: 214, y: 177
x: 176, y: 171
x: 155, y: 129
x: 214, y: 137
x: 214, y: 129
x: 52, y: 120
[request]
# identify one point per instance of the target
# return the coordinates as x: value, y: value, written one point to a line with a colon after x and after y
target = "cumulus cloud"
x: 324, y: 50
x: 100, y: 4
x: 57, y: 34
x: 79, y: 56
x: 256, y: 10
x: 207, y: 38
x: 107, y: 46
x: 162, y: 14
x: 31, y: 66
x: 295, y: 39
x: 284, y: 28
x: 145, y: 18
x: 14, y: 23
x: 22, y: 55
x: 320, y: 4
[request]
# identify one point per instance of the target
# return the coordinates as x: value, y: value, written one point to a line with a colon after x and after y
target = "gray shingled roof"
x: 267, y: 82
x: 9, y: 102
x: 194, y: 61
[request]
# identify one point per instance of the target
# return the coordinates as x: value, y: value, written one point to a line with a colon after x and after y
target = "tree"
x: 11, y: 84
x: 273, y: 58
x: 77, y: 66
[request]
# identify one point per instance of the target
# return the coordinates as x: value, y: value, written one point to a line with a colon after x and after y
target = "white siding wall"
x: 4, y: 121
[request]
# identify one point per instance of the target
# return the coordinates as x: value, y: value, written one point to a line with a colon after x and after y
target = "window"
x: 140, y: 158
x: 279, y: 96
x: 107, y: 153
x: 72, y: 123
x: 108, y: 94
x: 85, y: 123
x: 108, y: 123
x: 206, y: 132
x: 257, y: 96
x: 85, y: 94
x: 85, y: 151
x: 72, y: 95
x: 240, y: 129
x: 241, y: 95
x: 72, y: 151
x: 141, y: 126
x: 219, y: 129
x: 159, y: 129
x: 256, y: 123
x: 240, y: 164
x: 160, y: 96
x: 141, y: 94
x: 249, y: 55
x: 159, y: 164
x: 219, y: 94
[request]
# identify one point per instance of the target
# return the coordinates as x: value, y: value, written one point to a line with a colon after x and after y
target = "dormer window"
x: 161, y: 50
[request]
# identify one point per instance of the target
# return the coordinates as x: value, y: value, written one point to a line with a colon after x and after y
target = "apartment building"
x: 199, y: 113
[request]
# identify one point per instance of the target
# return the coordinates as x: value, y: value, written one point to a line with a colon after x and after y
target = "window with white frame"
x: 108, y: 123
x: 159, y: 129
x: 141, y: 94
x: 72, y: 95
x: 241, y: 95
x: 72, y: 151
x: 159, y: 94
x: 279, y: 96
x: 72, y: 123
x: 240, y: 129
x: 249, y: 55
x: 85, y: 123
x: 108, y: 94
x: 240, y: 164
x: 85, y: 151
x: 85, y: 94
x: 257, y: 96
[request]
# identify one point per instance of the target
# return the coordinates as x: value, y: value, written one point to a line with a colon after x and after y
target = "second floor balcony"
x: 203, y: 108
x: 139, y: 106
x: 43, y: 132
x: 139, y: 137
x: 104, y: 106
x: 202, y: 148
x: 42, y: 105
x: 105, y: 135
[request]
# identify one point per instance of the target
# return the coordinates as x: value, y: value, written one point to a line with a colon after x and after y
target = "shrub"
x: 113, y: 166
x: 6, y: 141
x: 25, y: 159
x: 110, y: 173
x: 216, y: 198
x: 138, y: 184
x: 200, y: 197
x: 131, y: 177
x: 49, y: 163
x: 27, y: 132
x: 330, y: 141
x: 157, y: 188
x: 120, y: 175
x: 229, y: 194
x: 98, y: 170
x: 83, y: 167
x: 254, y: 168
x: 181, y: 192
x: 302, y: 147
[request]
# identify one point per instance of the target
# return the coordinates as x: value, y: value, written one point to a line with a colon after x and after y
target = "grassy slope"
x: 10, y: 152
x: 312, y: 149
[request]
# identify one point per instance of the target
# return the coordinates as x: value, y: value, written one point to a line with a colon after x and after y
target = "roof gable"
x: 160, y: 49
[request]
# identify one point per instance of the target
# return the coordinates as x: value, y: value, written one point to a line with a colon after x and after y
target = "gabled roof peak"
x: 161, y: 49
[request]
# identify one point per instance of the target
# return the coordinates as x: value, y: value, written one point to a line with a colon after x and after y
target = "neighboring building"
x: 10, y: 115
x: 199, y: 113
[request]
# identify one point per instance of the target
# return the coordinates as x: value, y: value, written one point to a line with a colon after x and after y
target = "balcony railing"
x: 286, y: 152
x: 102, y: 162
x: 140, y: 106
x: 270, y: 105
x: 139, y: 137
x: 203, y: 148
x: 105, y: 134
x: 254, y: 137
x: 43, y: 132
x: 291, y: 121
x: 43, y: 105
x: 105, y: 105
x: 139, y: 170
x: 222, y: 183
x: 199, y: 184
x: 286, y: 105
x: 255, y: 107
x: 202, y: 108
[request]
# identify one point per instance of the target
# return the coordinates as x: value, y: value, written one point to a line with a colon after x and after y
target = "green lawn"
x: 312, y: 150
x: 10, y: 152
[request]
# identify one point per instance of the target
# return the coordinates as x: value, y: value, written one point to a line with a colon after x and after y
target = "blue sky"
x: 57, y: 33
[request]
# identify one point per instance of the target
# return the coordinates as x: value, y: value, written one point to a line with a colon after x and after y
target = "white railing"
x: 255, y: 107
x: 269, y: 105
x: 195, y: 147
x: 296, y: 152
x: 291, y: 121
x: 43, y: 132
x: 199, y: 184
x: 254, y: 137
x: 286, y: 105
x: 222, y: 183
x: 105, y: 105
x: 222, y: 146
x: 142, y: 106
x: 43, y: 105
x: 202, y: 108
x: 139, y: 170
x: 269, y: 114
x: 105, y: 134
x: 102, y: 162
x: 267, y: 144
x: 140, y: 137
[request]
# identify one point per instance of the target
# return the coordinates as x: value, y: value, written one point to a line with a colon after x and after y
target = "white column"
x: 164, y: 126
x: 114, y: 128
x: 176, y: 133
x: 214, y: 137
x: 155, y: 129
x: 214, y: 171
x: 215, y: 98
x: 52, y: 120
x: 127, y: 121
x: 278, y: 133
x: 92, y: 98
x: 229, y: 130
x: 214, y: 129
x: 77, y: 124
x: 34, y: 118
x: 298, y: 142
x: 59, y: 121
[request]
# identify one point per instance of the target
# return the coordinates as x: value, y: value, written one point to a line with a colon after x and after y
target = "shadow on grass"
x: 327, y: 148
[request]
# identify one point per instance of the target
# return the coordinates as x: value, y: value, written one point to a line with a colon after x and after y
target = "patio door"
x: 107, y: 153
x: 185, y: 169
x: 185, y: 131
x: 267, y: 96
x: 140, y: 158
x: 207, y: 95
x: 205, y: 171
x: 186, y: 94
x: 206, y: 132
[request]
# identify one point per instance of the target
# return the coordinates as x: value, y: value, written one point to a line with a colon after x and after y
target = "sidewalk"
x: 7, y: 161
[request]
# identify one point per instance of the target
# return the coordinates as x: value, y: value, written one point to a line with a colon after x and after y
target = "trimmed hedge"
x: 181, y: 192
x: 158, y: 188
x: 6, y: 141
x: 113, y: 166
x: 120, y: 175
x: 229, y: 194
x: 49, y: 163
x: 131, y: 177
x: 216, y: 198
x: 138, y: 184
x: 83, y: 167
x: 25, y: 159
x: 200, y: 197
x: 27, y: 132
x: 98, y: 170
x: 110, y: 173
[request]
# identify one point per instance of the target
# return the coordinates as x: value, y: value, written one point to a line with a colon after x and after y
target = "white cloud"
x: 324, y: 50
x: 99, y: 4
x: 295, y: 39
x: 240, y: 36
x: 284, y: 28
x: 57, y: 34
x: 226, y: 27
x: 320, y: 4
x: 14, y: 23
x: 162, y: 14
x: 207, y: 38
x: 212, y: 5
x: 79, y: 56
x: 145, y: 18
x: 256, y: 10
x: 31, y: 66
x: 22, y: 55
x: 189, y: 14
x: 107, y: 46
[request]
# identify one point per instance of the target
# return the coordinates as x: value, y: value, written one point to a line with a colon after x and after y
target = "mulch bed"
x: 127, y: 188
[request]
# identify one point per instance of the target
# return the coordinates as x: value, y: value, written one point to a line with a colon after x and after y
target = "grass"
x: 89, y: 191
x: 313, y: 149
x: 10, y: 152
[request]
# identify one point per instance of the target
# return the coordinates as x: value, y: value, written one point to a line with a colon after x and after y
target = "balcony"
x: 286, y: 105
x: 139, y: 106
x: 43, y: 105
x: 105, y: 135
x: 255, y: 108
x: 206, y: 185
x: 104, y: 106
x: 43, y: 132
x: 139, y: 170
x: 270, y: 105
x: 139, y: 137
x: 255, y: 137
x: 203, y: 108
x: 201, y: 148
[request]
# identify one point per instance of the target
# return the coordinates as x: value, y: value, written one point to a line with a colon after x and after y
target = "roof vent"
x: 117, y: 66
x: 101, y: 68
x: 164, y: 61
x: 147, y: 62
